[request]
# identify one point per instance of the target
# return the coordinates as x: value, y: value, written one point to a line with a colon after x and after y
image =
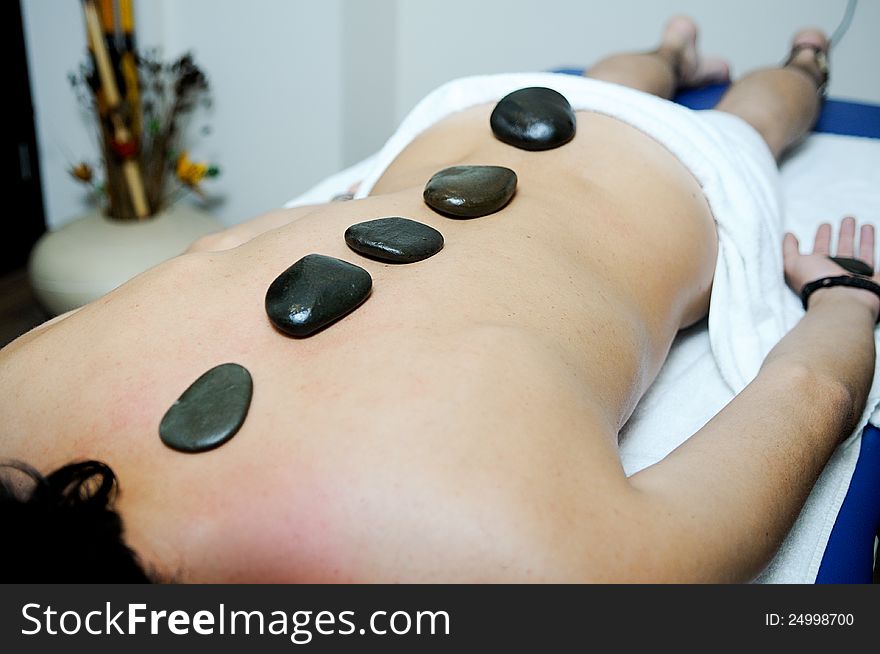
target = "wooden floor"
x: 19, y: 309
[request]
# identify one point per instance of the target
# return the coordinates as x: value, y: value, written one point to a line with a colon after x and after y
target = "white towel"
x: 751, y: 307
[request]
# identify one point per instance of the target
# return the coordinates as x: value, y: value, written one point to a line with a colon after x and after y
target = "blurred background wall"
x: 304, y: 88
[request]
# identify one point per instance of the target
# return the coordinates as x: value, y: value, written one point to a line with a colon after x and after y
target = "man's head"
x: 62, y: 527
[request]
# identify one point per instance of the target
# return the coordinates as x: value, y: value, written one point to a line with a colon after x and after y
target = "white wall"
x: 303, y: 88
x: 55, y: 48
x: 435, y: 44
x: 439, y: 40
x: 369, y: 76
x: 275, y: 67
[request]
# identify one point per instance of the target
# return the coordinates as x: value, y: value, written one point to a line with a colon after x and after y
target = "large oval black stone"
x: 535, y: 118
x: 314, y: 292
x: 210, y: 411
x: 395, y: 239
x: 470, y: 191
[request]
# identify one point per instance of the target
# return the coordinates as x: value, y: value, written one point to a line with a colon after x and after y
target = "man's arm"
x: 718, y: 507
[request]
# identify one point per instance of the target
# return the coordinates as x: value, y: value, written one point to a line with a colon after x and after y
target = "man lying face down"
x: 427, y: 384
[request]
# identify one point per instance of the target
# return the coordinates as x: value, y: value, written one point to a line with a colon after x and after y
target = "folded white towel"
x: 751, y: 306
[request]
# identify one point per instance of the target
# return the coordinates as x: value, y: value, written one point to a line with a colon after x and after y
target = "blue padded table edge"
x: 837, y: 116
x: 849, y: 555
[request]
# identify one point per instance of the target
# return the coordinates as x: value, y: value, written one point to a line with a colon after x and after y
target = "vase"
x: 92, y: 255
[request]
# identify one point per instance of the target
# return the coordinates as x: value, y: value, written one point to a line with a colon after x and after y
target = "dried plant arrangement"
x: 141, y: 104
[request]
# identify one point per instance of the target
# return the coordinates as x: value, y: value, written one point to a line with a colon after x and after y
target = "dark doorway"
x: 23, y: 222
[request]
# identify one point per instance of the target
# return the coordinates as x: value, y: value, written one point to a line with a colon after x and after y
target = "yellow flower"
x: 189, y: 172
x: 82, y: 171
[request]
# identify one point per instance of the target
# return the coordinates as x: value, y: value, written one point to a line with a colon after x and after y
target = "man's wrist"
x: 833, y: 295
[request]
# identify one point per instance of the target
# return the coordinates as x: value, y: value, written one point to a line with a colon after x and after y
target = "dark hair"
x: 65, y: 530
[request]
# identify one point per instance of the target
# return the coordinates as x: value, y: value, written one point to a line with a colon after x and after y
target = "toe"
x: 680, y: 33
x: 810, y: 37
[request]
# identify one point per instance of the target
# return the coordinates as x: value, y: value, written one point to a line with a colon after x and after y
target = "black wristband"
x: 842, y: 280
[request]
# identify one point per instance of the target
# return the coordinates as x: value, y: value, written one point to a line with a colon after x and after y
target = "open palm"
x: 800, y: 269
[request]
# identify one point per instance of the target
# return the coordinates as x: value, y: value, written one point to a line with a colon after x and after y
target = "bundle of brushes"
x: 140, y: 103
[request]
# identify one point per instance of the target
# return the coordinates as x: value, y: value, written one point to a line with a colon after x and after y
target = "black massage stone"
x: 470, y: 191
x: 394, y: 239
x: 535, y: 118
x: 854, y: 266
x: 314, y: 292
x: 210, y: 411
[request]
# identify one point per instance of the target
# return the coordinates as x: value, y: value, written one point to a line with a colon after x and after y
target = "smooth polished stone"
x: 314, y: 292
x: 855, y: 266
x: 210, y: 411
x: 394, y: 239
x: 535, y: 118
x: 470, y: 191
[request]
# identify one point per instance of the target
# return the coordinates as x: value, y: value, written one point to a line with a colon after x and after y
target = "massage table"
x: 834, y: 172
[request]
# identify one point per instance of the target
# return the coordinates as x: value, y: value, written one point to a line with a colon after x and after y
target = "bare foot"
x: 679, y: 43
x: 809, y: 54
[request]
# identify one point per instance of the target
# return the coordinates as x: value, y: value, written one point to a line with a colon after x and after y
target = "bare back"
x: 475, y: 392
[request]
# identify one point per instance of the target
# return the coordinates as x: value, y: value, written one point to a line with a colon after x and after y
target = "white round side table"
x: 92, y: 255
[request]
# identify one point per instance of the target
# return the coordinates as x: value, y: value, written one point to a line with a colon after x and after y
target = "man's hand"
x: 800, y: 269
